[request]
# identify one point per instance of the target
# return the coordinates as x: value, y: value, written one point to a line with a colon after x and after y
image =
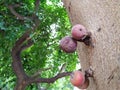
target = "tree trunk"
x: 102, y: 19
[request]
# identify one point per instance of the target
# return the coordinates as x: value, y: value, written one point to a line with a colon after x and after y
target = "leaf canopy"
x: 45, y: 52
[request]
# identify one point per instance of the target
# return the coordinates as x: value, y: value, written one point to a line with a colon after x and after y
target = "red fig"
x: 77, y: 78
x: 68, y: 44
x: 79, y: 32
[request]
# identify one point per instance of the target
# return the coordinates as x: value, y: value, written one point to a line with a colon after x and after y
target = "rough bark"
x: 102, y: 18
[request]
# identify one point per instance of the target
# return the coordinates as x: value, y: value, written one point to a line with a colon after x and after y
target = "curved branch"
x: 49, y: 80
x: 11, y: 7
x: 16, y: 51
x: 18, y: 47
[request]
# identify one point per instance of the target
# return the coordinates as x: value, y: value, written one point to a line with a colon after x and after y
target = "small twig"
x: 62, y: 68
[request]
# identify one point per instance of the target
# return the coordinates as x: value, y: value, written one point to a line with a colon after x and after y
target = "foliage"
x: 45, y: 53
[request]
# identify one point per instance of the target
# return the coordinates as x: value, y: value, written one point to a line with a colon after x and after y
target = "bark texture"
x: 102, y: 19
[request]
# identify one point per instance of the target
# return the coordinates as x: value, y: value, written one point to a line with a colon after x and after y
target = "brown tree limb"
x: 12, y: 9
x: 37, y: 3
x: 16, y: 50
x: 49, y: 80
x: 18, y: 47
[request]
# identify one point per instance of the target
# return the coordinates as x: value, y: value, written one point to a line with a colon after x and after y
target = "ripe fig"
x: 77, y: 78
x: 68, y: 44
x: 79, y: 32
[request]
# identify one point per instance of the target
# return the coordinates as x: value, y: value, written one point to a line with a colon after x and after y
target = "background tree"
x: 39, y: 27
x: 101, y: 18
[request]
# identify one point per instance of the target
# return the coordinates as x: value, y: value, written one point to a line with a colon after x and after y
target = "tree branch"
x: 49, y: 80
x: 22, y: 78
x: 11, y: 7
x: 37, y: 2
x: 16, y: 51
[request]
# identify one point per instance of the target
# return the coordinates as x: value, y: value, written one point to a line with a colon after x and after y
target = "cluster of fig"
x: 69, y: 44
x: 79, y: 79
x: 79, y: 33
